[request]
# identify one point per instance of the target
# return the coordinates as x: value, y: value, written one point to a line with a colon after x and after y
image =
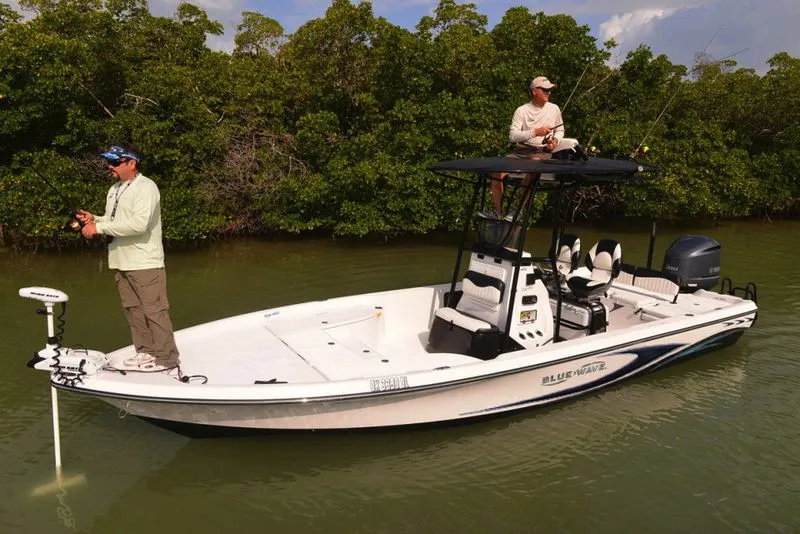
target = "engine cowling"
x: 695, y: 260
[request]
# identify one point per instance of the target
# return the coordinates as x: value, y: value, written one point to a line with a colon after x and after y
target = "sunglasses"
x: 117, y: 163
x: 546, y: 91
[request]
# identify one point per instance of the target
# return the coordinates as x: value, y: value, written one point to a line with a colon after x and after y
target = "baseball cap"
x: 115, y: 153
x: 543, y: 82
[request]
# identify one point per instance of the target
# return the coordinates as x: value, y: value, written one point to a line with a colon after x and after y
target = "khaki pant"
x: 144, y: 299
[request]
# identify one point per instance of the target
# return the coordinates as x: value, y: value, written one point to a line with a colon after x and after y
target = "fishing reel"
x: 73, y: 224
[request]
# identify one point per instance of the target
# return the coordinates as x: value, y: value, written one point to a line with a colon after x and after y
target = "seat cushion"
x: 584, y: 287
x: 457, y: 318
x: 656, y: 281
x: 626, y: 274
x: 483, y: 287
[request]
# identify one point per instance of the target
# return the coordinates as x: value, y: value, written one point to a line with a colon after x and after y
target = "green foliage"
x: 332, y: 129
x: 258, y: 35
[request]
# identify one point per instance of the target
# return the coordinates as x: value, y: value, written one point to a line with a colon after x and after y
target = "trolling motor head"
x: 50, y: 297
x: 44, y: 294
x: 67, y: 365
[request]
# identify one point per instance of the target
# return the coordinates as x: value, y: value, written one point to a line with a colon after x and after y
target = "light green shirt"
x: 133, y: 217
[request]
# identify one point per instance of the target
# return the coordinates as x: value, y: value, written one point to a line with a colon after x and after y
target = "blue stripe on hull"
x: 647, y: 359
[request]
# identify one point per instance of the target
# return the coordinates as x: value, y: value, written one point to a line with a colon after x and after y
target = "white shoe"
x: 141, y: 359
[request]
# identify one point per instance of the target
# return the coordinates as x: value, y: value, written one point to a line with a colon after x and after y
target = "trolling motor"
x: 68, y: 366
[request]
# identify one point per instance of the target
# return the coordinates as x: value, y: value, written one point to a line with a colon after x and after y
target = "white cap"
x: 543, y: 82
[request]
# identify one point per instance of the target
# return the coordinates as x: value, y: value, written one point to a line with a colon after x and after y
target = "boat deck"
x: 367, y: 336
x: 353, y: 337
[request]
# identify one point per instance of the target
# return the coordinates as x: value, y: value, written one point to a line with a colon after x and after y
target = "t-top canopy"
x: 592, y: 169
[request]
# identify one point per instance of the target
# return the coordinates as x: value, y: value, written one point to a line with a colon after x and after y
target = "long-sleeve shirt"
x: 133, y: 217
x: 528, y: 117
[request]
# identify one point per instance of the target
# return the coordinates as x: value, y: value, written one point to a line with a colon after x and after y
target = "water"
x: 710, y: 445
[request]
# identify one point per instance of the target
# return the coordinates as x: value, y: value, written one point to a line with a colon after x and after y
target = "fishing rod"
x: 675, y: 93
x: 573, y: 90
x: 680, y: 86
x: 74, y: 224
x: 607, y: 76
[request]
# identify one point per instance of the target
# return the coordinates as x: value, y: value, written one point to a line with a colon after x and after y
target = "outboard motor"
x: 695, y: 261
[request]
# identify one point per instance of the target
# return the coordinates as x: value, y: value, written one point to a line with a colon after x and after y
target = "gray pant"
x: 144, y: 299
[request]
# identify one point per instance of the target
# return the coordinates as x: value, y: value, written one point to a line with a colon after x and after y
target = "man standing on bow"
x: 535, y: 130
x: 133, y: 219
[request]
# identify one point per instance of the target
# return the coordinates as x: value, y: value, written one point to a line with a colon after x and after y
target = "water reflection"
x: 298, y: 477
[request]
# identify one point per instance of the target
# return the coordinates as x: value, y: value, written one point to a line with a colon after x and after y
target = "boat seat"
x: 627, y: 273
x: 657, y: 282
x: 471, y: 327
x: 604, y: 262
x: 457, y: 318
x: 568, y: 253
x: 482, y: 296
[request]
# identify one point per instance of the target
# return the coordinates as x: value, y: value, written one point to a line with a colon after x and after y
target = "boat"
x: 508, y: 332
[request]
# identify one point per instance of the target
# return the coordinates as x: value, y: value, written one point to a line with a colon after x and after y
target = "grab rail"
x: 750, y: 291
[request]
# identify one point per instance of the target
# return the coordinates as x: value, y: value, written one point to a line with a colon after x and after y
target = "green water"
x: 710, y: 445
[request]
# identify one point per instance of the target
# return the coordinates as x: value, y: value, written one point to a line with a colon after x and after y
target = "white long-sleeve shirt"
x: 135, y: 225
x: 528, y: 117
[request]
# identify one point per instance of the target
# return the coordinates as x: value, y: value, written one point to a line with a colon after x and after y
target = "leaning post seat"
x: 604, y: 262
x: 472, y: 326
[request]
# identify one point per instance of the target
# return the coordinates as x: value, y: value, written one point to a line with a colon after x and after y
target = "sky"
x: 751, y: 30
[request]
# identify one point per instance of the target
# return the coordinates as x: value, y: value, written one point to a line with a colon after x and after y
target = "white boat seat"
x: 568, y: 253
x: 475, y: 325
x: 657, y: 282
x: 479, y: 305
x: 483, y: 287
x: 604, y: 262
x: 457, y: 318
x: 626, y: 274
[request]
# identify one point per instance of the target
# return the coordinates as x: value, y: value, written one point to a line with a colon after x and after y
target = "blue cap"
x: 115, y: 153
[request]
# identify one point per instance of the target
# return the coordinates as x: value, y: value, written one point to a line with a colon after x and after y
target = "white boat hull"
x: 505, y: 385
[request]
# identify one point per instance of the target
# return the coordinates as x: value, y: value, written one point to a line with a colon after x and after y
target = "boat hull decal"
x: 641, y: 361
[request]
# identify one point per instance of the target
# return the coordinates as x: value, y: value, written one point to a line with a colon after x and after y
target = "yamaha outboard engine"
x: 695, y: 261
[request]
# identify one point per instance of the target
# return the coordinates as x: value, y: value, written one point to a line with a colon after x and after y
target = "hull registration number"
x: 390, y: 383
